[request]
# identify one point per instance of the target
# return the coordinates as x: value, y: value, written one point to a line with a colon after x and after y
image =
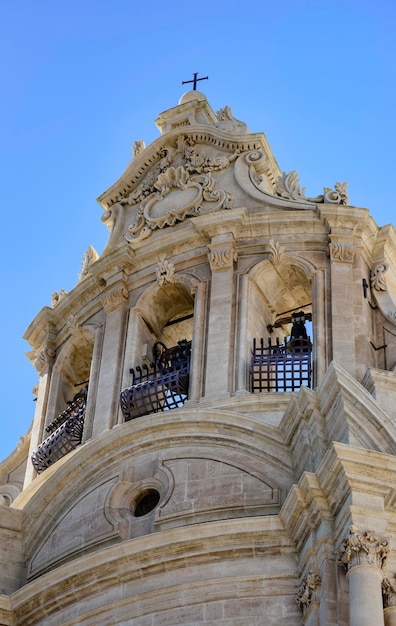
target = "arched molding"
x: 62, y: 483
x: 159, y: 303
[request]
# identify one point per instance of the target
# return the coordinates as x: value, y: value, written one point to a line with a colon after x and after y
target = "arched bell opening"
x: 67, y: 402
x: 160, y: 378
x: 279, y: 327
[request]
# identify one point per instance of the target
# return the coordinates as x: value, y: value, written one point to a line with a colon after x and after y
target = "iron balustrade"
x: 162, y: 386
x: 281, y: 367
x: 66, y: 432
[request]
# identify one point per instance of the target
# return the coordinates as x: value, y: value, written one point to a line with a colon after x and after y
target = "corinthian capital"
x: 389, y: 592
x: 363, y: 548
x: 306, y: 592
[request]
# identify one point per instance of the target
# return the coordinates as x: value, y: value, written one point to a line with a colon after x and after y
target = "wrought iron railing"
x: 66, y: 432
x: 281, y: 366
x: 160, y: 386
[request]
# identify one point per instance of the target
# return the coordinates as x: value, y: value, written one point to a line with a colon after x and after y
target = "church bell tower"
x: 215, y: 426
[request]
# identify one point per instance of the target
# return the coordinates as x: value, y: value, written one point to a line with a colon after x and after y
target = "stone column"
x: 342, y: 319
x: 44, y: 363
x: 363, y: 555
x: 222, y: 256
x: 107, y: 397
x: 389, y: 598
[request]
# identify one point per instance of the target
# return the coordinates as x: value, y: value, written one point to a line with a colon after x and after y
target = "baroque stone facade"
x: 214, y: 436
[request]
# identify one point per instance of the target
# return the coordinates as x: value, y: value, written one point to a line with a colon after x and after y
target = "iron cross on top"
x: 194, y: 80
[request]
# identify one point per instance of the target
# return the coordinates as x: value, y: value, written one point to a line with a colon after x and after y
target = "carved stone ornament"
x: 388, y: 592
x: 288, y: 186
x: 115, y: 299
x: 165, y: 272
x: 178, y: 196
x: 306, y: 591
x: 377, y: 278
x: 363, y: 548
x: 89, y: 257
x: 277, y: 252
x: 44, y: 359
x: 342, y: 251
x: 384, y: 295
x: 138, y: 147
x: 229, y: 123
x: 222, y: 258
x: 57, y: 296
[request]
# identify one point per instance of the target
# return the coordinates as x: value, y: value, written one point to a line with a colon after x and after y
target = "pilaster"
x: 341, y: 250
x: 222, y: 256
x: 44, y: 364
x: 109, y: 384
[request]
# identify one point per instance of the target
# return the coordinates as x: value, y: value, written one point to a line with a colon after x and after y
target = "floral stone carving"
x: 306, y: 591
x: 363, y: 548
x: 288, y: 187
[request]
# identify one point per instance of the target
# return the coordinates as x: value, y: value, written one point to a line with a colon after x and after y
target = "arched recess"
x: 271, y: 292
x: 167, y: 315
x: 65, y: 419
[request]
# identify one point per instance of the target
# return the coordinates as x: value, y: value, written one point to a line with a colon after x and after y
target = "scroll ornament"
x: 363, y: 548
x: 288, y: 187
x: 306, y: 592
x: 377, y: 278
x: 342, y: 251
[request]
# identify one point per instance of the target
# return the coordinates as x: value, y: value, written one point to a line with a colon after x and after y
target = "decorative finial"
x: 194, y: 80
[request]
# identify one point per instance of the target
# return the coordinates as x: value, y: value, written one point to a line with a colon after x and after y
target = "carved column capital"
x: 44, y: 359
x: 307, y: 589
x: 115, y: 299
x: 342, y: 249
x: 363, y: 548
x: 222, y: 254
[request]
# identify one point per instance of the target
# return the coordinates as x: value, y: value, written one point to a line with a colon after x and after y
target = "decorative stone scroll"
x: 165, y: 272
x: 363, y: 548
x: 342, y: 251
x: 307, y: 589
x: 115, y: 299
x: 288, y: 186
x: 377, y: 278
x: 384, y: 297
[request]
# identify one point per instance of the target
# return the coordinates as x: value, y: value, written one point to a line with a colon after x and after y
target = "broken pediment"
x: 203, y: 162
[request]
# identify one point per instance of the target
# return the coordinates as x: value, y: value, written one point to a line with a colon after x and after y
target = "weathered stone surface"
x: 220, y: 505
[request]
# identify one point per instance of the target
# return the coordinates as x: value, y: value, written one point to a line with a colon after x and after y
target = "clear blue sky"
x: 83, y: 79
